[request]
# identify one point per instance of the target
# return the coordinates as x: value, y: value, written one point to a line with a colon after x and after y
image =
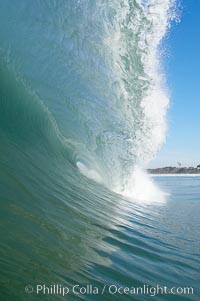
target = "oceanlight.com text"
x: 111, y: 289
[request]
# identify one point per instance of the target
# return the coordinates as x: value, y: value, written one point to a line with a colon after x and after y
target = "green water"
x: 78, y: 81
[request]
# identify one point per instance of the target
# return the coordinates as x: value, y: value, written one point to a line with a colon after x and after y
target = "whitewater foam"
x: 140, y: 187
x: 134, y: 43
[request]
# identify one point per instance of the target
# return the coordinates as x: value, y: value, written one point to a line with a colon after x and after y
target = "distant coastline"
x: 175, y: 170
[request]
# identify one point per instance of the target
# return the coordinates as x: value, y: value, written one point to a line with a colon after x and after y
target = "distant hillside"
x: 174, y: 170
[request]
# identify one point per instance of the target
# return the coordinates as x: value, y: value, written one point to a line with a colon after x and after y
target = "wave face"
x: 82, y: 102
x: 95, y: 71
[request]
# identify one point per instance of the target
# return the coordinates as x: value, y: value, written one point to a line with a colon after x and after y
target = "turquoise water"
x: 57, y: 233
x: 82, y: 105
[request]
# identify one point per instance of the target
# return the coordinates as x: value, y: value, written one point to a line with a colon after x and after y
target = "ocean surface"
x: 83, y: 104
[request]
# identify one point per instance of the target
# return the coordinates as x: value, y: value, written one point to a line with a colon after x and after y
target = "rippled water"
x: 82, y: 103
x: 98, y: 238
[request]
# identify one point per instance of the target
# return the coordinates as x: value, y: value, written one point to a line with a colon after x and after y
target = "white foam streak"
x: 89, y: 172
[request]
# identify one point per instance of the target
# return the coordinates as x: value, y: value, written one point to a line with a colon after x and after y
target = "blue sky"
x: 183, y: 76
